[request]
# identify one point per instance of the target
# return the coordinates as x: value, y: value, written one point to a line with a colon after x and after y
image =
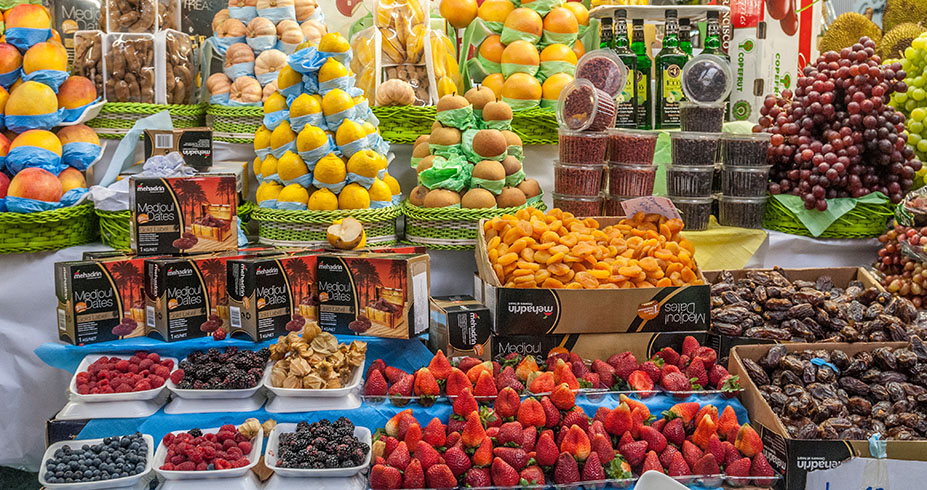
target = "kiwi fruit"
x: 441, y: 198
x: 421, y: 139
x: 489, y: 143
x: 421, y: 150
x: 480, y: 96
x: 511, y: 165
x: 497, y: 111
x: 478, y: 199
x: 489, y: 170
x: 510, y: 197
x: 451, y: 102
x: 425, y: 163
x: 511, y: 139
x: 417, y: 196
x: 530, y: 188
x: 445, y: 137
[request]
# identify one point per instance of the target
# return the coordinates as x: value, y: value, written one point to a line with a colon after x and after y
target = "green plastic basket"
x: 47, y: 230
x: 863, y: 221
x: 234, y: 124
x: 117, y: 118
x: 402, y: 125
x: 308, y: 228
x: 451, y: 228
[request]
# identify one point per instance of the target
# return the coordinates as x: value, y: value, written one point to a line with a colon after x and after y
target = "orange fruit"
x: 580, y: 11
x: 459, y: 13
x: 561, y: 20
x: 495, y: 10
x: 558, y: 52
x: 494, y: 82
x: 492, y: 48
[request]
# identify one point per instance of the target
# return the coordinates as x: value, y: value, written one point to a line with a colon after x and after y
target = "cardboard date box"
x: 460, y: 326
x: 194, y: 144
x: 590, y: 345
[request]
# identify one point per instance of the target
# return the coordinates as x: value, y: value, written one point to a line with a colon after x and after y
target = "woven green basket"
x: 863, y: 221
x: 450, y: 228
x: 234, y: 124
x: 308, y: 228
x: 403, y: 124
x: 47, y: 230
x: 114, y: 225
x: 117, y: 118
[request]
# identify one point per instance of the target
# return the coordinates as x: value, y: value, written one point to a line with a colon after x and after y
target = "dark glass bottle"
x: 668, y: 72
x: 685, y: 36
x: 713, y: 37
x: 608, y: 33
x: 627, y: 101
x: 643, y: 76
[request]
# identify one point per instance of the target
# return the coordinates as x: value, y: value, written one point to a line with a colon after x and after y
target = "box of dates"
x: 175, y: 215
x: 590, y: 345
x: 816, y: 405
x: 460, y: 326
x: 376, y: 294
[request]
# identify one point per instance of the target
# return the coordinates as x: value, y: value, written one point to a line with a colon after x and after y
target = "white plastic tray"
x: 128, y: 481
x: 112, y: 397
x: 160, y: 455
x: 276, y: 482
x: 319, y: 393
x: 220, y: 394
x: 90, y: 112
x: 247, y: 482
x: 130, y: 409
x: 273, y: 444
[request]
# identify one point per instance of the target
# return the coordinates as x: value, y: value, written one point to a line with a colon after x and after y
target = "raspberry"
x: 83, y: 389
x: 235, y: 453
x: 186, y: 466
x: 123, y: 388
x: 156, y: 381
x: 122, y: 365
x: 107, y: 389
x: 177, y: 376
x: 143, y: 385
x: 196, y: 457
x: 154, y: 357
x: 211, y: 437
x: 176, y: 460
x: 167, y: 467
x: 203, y: 466
x: 133, y: 368
x: 159, y: 370
x: 219, y: 334
x: 222, y: 464
x: 241, y: 463
x: 239, y: 437
x: 245, y: 447
x: 83, y: 377
x: 227, y: 438
x: 145, y: 364
x: 168, y: 363
x: 209, y: 452
x: 94, y: 391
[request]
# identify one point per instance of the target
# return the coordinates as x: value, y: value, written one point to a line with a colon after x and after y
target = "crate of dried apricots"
x: 555, y: 273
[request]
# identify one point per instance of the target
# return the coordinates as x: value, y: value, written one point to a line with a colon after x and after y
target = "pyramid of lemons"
x: 282, y: 135
x: 305, y: 105
x: 288, y: 77
x: 330, y: 170
x: 380, y: 191
x: 354, y: 196
x: 268, y: 191
x: 331, y: 70
x: 291, y: 167
x: 294, y: 193
x: 310, y: 138
x: 336, y: 101
x: 262, y: 138
x: 365, y: 163
x: 269, y: 166
x: 349, y: 132
x: 276, y: 102
x: 256, y: 166
x: 323, y: 200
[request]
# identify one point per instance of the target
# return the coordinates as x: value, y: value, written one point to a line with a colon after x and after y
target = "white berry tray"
x: 220, y: 394
x: 317, y: 393
x: 128, y: 481
x: 273, y: 445
x: 161, y: 454
x: 112, y: 397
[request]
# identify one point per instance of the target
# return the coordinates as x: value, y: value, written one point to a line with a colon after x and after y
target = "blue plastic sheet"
x: 24, y: 205
x: 266, y: 78
x: 240, y: 70
x: 380, y: 204
x: 25, y: 37
x: 335, y: 120
x: 276, y: 14
x: 273, y: 119
x: 291, y: 205
x: 30, y: 156
x: 343, y: 83
x: 262, y: 43
x: 291, y: 92
x: 80, y: 154
x: 279, y: 151
x: 306, y: 60
x: 52, y: 78
x: 219, y: 99
x: 19, y: 124
x: 349, y: 149
x: 9, y: 78
x: 222, y: 43
x: 311, y: 83
x: 71, y: 115
x: 298, y: 123
x: 268, y: 204
x: 335, y: 188
x: 366, y: 182
x: 244, y: 14
x: 236, y: 103
x: 72, y: 196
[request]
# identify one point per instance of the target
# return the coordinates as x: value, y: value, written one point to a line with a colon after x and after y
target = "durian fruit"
x: 846, y: 30
x: 895, y: 41
x: 899, y: 12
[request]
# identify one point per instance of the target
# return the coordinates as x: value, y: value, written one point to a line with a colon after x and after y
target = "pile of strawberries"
x: 552, y: 441
x: 141, y: 372
x: 694, y: 368
x: 195, y: 451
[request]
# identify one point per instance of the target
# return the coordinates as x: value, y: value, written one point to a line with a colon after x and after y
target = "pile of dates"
x: 767, y: 305
x: 883, y: 390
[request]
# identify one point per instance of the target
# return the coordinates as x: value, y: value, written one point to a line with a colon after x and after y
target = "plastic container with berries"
x: 694, y: 149
x: 582, y: 146
x: 578, y: 179
x: 252, y: 457
x: 695, y: 211
x: 742, y: 212
x: 632, y: 146
x: 579, y: 205
x: 630, y: 179
x: 745, y: 181
x: 683, y: 181
x: 132, y: 481
x: 583, y: 107
x: 613, y: 204
x: 152, y: 392
x: 271, y: 457
x: 745, y: 150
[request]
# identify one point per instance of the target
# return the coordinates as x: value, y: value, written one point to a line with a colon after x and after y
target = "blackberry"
x: 331, y: 462
x: 195, y: 432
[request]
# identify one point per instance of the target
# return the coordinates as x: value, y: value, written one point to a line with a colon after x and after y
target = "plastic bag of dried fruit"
x: 365, y: 45
x: 444, y: 64
x: 405, y: 48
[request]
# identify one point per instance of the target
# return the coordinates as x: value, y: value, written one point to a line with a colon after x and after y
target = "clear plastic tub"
x: 685, y: 181
x: 583, y: 107
x: 273, y: 445
x: 694, y: 149
x: 742, y: 212
x: 744, y: 181
x: 139, y: 16
x: 701, y: 118
x: 113, y: 397
x: 707, y: 79
x: 695, y: 211
x: 632, y: 146
x: 88, y: 57
x: 582, y: 206
x: 745, y: 150
x: 604, y: 69
x: 631, y: 180
x: 582, y: 146
x: 578, y: 179
x: 130, y: 73
x: 613, y: 205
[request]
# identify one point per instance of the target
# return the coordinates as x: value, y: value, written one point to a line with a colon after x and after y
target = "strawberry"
x: 394, y: 374
x: 468, y: 362
x: 492, y: 432
x: 473, y: 374
x: 413, y: 436
x: 652, y: 463
x: 473, y: 433
x: 706, y: 466
x: 426, y: 386
x: 732, y: 432
x: 686, y: 411
x: 652, y: 370
x: 696, y: 371
x: 391, y: 444
x: 618, y: 420
x: 666, y: 457
x: 439, y: 366
x: 634, y: 452
x: 414, y: 475
x: 435, y: 433
x: 592, y: 469
x: 716, y: 373
x: 485, y: 386
x: 465, y: 404
x: 596, y: 427
x: 546, y: 450
x: 376, y: 384
x: 602, y: 446
x: 715, y: 448
x: 509, y: 432
x: 503, y: 474
x: 761, y: 467
x: 678, y: 466
x: 400, y: 457
x: 566, y: 471
x: 529, y: 436
x: 659, y: 424
x: 579, y: 368
x: 601, y: 413
x: 566, y: 376
x: 738, y: 468
x: 453, y: 436
x: 640, y: 381
x: 392, y: 425
x: 384, y: 477
x: 726, y: 421
x: 541, y: 382
x: 689, y: 345
x: 635, y: 405
x: 625, y: 439
x: 440, y: 476
x: 655, y: 440
x: 507, y: 378
x: 516, y: 457
x: 563, y: 397
x: 483, y: 454
x: 576, y: 417
x: 669, y: 368
x: 377, y: 365
x: 551, y: 414
x: 527, y: 366
x: 531, y: 413
x: 674, y: 431
x: 709, y: 410
x: 691, y: 452
x: 478, y: 478
x: 624, y: 364
x: 507, y: 403
x: 673, y: 381
x: 730, y: 385
x: 707, y: 355
x: 456, y: 382
x: 457, y: 460
x: 534, y: 475
x: 576, y: 442
x: 401, y: 390
x: 605, y: 371
x: 593, y: 379
x: 731, y: 453
x: 669, y: 356
x: 703, y: 431
x: 748, y: 442
x: 637, y: 421
x: 683, y: 361
x: 454, y: 425
x: 426, y: 454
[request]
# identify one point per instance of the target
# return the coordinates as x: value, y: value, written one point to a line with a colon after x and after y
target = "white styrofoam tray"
x: 112, y: 397
x: 161, y: 454
x: 273, y: 445
x: 318, y: 393
x: 220, y: 394
x: 128, y: 481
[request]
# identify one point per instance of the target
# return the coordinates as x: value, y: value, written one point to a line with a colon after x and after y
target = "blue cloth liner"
x: 381, y: 146
x: 344, y: 58
x: 298, y: 123
x: 877, y: 447
x: 242, y: 239
x: 71, y: 115
x: 276, y: 14
x: 31, y: 156
x: 311, y: 83
x: 268, y: 77
x: 360, y: 179
x: 19, y: 124
x: 380, y: 204
x: 278, y: 152
x: 335, y: 188
x: 291, y: 92
x: 9, y: 78
x: 304, y: 180
x: 306, y: 60
x: 240, y: 70
x: 80, y: 154
x: 238, y: 103
x: 222, y: 43
x: 287, y: 47
x: 344, y: 83
x: 311, y: 157
x: 24, y: 205
x: 71, y: 197
x: 292, y: 206
x: 335, y: 120
x: 272, y: 178
x: 2, y: 162
x: 219, y: 99
x: 397, y: 199
x: 3, y: 207
x: 817, y: 361
x: 273, y: 119
x: 349, y: 149
x: 262, y: 43
x: 268, y: 204
x: 25, y: 37
x: 2, y: 125
x: 244, y: 14
x: 52, y: 78
x: 262, y: 152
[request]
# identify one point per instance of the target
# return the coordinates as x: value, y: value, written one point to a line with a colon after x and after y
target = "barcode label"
x: 61, y: 319
x: 150, y: 316
x: 164, y: 141
x: 235, y: 316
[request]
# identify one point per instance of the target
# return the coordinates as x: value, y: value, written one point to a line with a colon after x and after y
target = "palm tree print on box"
x: 397, y: 272
x: 367, y: 277
x: 227, y: 188
x: 300, y: 278
x: 188, y: 192
x: 128, y: 278
x: 213, y: 271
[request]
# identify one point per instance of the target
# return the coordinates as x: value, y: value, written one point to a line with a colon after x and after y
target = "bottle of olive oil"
x: 685, y: 36
x: 608, y: 33
x: 627, y: 101
x: 642, y: 76
x: 713, y: 37
x: 668, y: 70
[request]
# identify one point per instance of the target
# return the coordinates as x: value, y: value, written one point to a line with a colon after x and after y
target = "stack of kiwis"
x: 494, y: 183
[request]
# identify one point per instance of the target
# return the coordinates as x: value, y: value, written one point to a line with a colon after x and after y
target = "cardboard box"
x: 460, y: 326
x: 266, y: 292
x: 183, y: 214
x: 387, y: 294
x: 590, y: 346
x: 194, y: 144
x: 796, y: 457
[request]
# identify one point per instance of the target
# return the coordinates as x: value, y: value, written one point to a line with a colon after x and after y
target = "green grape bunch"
x: 913, y: 103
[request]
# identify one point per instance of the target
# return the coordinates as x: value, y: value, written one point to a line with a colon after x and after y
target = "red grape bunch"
x: 902, y: 273
x: 836, y: 136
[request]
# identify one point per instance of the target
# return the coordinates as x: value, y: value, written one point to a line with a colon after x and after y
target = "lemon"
x: 354, y: 196
x: 348, y: 132
x: 379, y: 191
x: 288, y: 77
x: 262, y: 138
x: 323, y: 200
x: 282, y: 135
x: 369, y: 128
x: 360, y: 99
x: 335, y: 101
x: 383, y: 161
x: 334, y: 42
x: 293, y: 193
x: 318, y: 98
x: 393, y: 184
x: 330, y: 170
x: 331, y: 70
x: 310, y: 138
x: 269, y: 166
x: 291, y: 166
x: 276, y: 102
x: 256, y: 166
x: 304, y: 105
x: 365, y: 163
x: 268, y: 191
